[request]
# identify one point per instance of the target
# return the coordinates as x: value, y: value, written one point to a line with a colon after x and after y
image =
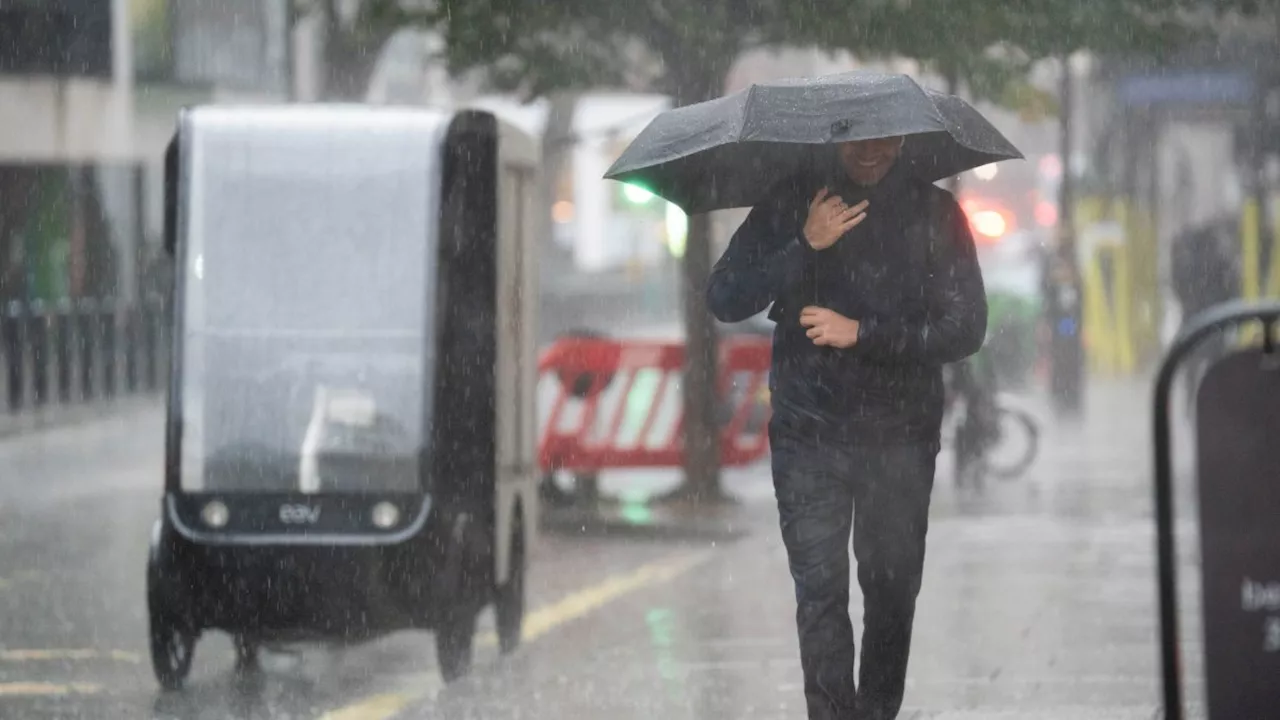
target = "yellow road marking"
x: 536, y: 624
x: 23, y: 576
x: 35, y: 655
x: 15, y: 689
x: 582, y: 602
x: 379, y: 706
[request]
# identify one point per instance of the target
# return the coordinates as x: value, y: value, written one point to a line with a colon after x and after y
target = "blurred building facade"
x: 89, y: 90
x: 68, y: 174
x: 1175, y: 147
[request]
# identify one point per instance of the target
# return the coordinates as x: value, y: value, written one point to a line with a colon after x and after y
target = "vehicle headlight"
x: 385, y: 515
x: 215, y: 514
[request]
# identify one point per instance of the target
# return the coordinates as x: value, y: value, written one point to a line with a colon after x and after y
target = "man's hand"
x: 829, y: 328
x: 829, y: 218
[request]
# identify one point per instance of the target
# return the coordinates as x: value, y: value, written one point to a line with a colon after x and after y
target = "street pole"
x: 1063, y: 303
x: 1258, y: 187
x: 290, y: 52
x: 1066, y: 190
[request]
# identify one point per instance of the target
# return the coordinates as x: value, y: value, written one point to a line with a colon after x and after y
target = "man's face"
x: 868, y: 161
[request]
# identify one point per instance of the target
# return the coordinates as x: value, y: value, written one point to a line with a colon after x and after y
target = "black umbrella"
x: 730, y: 151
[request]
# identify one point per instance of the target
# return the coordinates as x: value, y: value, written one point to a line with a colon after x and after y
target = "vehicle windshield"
x: 306, y: 308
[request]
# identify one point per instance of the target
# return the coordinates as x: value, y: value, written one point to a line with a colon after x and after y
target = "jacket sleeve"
x: 956, y: 322
x: 762, y: 254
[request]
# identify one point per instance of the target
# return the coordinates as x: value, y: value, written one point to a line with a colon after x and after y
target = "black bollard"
x: 1063, y: 313
x: 63, y: 330
x: 38, y: 346
x: 86, y: 324
x: 150, y: 345
x: 163, y: 318
x: 108, y: 329
x: 1066, y: 353
x: 11, y: 348
x: 132, y: 331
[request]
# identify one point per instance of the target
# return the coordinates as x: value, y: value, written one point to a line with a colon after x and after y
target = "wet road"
x: 1038, y: 602
x: 76, y: 507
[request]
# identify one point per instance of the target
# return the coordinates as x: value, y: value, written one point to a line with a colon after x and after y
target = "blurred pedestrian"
x: 874, y: 283
x: 1064, y: 311
x: 1205, y: 273
x: 13, y: 295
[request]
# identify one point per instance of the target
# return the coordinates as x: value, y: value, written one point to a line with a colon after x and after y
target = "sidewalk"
x: 628, y: 509
x: 55, y: 415
x: 1038, y: 602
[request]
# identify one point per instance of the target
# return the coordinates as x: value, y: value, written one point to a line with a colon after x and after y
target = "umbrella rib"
x: 746, y: 111
x: 936, y: 109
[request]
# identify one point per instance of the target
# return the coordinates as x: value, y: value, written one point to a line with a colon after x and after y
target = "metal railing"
x: 75, y: 352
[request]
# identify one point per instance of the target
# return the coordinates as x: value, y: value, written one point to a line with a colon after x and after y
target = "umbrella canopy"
x: 730, y: 151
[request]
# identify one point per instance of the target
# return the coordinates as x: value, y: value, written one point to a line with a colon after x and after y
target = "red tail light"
x: 990, y: 225
x: 988, y: 221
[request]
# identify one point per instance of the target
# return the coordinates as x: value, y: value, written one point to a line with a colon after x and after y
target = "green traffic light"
x: 636, y: 194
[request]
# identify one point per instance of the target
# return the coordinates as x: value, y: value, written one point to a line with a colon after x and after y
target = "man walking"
x: 874, y: 284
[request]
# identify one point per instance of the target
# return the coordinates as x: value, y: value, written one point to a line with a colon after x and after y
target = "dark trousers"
x: 826, y: 487
x: 1066, y: 381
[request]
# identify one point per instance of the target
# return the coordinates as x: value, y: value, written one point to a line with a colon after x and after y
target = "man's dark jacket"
x: 909, y: 273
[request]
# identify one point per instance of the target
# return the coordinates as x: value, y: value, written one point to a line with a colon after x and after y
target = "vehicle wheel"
x: 586, y: 489
x: 246, y: 653
x: 454, y: 640
x: 509, y: 606
x: 172, y: 639
x: 1016, y: 446
x: 550, y: 492
x: 172, y: 647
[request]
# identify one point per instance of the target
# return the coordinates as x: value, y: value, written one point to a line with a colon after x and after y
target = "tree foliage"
x: 991, y: 47
x: 354, y: 39
x: 680, y: 47
x: 531, y: 47
x: 535, y: 47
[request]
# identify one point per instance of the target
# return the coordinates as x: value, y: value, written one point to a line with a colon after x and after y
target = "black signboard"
x: 1238, y: 428
x: 56, y: 37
